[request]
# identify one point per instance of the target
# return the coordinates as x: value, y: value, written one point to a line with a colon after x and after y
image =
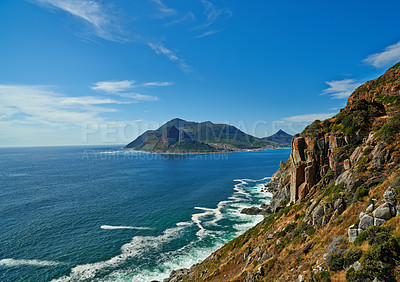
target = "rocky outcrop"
x: 375, y: 215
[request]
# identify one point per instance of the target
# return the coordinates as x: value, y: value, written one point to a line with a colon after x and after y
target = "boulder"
x: 370, y: 208
x: 353, y: 233
x: 338, y: 203
x: 317, y: 215
x: 328, y: 208
x: 356, y: 265
x: 252, y: 211
x: 366, y: 222
x: 389, y: 195
x: 383, y: 212
x: 379, y: 221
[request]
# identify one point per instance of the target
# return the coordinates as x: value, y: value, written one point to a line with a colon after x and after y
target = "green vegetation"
x: 360, y: 193
x: 389, y: 131
x: 357, y: 118
x: 380, y: 260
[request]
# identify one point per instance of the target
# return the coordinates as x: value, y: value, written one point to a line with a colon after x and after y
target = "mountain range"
x: 181, y: 136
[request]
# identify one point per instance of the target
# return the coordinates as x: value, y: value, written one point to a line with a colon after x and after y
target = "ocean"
x: 101, y: 213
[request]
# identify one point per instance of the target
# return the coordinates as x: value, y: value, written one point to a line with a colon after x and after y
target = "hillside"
x: 336, y: 202
x: 180, y: 136
x: 281, y: 137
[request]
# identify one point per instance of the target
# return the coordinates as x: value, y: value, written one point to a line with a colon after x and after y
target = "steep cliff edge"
x: 335, y: 202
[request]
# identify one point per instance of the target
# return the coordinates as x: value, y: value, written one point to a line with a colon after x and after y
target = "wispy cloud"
x: 164, y: 9
x: 113, y: 86
x: 157, y: 83
x: 307, y: 118
x: 41, y: 105
x: 160, y: 49
x: 212, y: 13
x: 123, y: 88
x: 207, y: 33
x: 139, y: 97
x: 97, y: 18
x: 341, y: 89
x: 388, y: 56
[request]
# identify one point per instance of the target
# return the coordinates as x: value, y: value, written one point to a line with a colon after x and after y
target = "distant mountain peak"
x: 280, y: 137
x: 179, y: 136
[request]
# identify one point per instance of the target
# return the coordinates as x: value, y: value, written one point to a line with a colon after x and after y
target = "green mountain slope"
x: 180, y: 136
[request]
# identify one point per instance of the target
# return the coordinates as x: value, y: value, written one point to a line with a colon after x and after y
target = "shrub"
x: 336, y: 263
x: 390, y: 130
x: 361, y: 192
x: 380, y: 260
x: 351, y: 257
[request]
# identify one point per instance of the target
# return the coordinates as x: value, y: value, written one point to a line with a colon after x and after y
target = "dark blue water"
x: 97, y: 213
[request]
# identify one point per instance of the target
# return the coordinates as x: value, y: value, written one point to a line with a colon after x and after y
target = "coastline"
x: 177, y: 275
x: 205, y: 153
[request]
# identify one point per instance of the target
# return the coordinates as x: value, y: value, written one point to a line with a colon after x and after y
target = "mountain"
x: 180, y: 136
x: 281, y: 137
x: 335, y: 210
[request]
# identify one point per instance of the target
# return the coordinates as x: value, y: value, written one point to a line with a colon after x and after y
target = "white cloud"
x: 91, y: 12
x: 388, y: 56
x: 207, y: 33
x: 341, y: 89
x: 164, y: 9
x: 307, y: 118
x: 138, y: 97
x: 160, y: 49
x: 212, y: 13
x: 123, y: 88
x: 39, y: 104
x: 113, y: 86
x: 157, y: 83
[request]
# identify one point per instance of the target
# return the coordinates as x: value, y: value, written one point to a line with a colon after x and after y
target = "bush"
x: 361, y: 192
x: 390, y: 130
x: 380, y: 260
x: 336, y: 263
x: 351, y: 257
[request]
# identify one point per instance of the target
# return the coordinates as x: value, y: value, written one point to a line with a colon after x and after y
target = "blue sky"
x: 102, y: 72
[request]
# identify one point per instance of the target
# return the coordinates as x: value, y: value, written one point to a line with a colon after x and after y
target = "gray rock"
x: 379, y: 221
x: 361, y: 215
x: 278, y: 242
x: 389, y: 195
x: 353, y: 233
x: 338, y: 202
x: 383, y: 211
x: 366, y: 222
x: 301, y: 279
x: 356, y: 265
x: 317, y: 215
x: 397, y: 210
x: 328, y: 208
x: 260, y: 271
x: 370, y: 208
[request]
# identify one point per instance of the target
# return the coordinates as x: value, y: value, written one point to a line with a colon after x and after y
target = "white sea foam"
x: 135, y: 247
x: 187, y: 255
x: 111, y: 227
x: 10, y: 262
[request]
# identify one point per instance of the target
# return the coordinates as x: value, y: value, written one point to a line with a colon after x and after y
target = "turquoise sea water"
x: 107, y: 214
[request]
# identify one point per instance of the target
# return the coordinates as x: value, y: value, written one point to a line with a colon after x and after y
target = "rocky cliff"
x: 335, y: 201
